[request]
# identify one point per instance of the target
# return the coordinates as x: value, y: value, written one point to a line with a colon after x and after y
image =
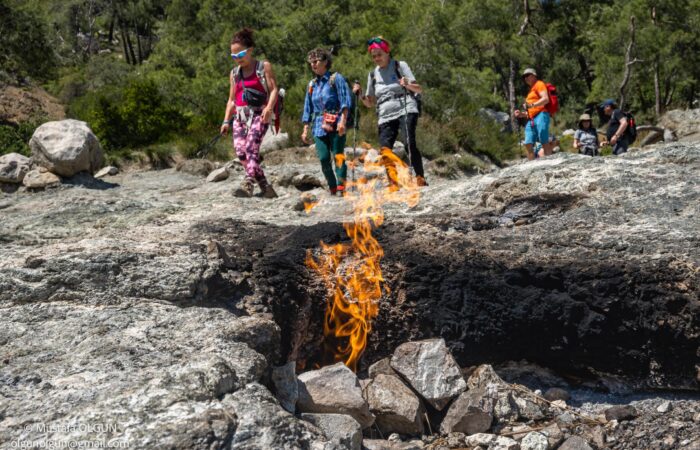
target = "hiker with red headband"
x: 392, y: 88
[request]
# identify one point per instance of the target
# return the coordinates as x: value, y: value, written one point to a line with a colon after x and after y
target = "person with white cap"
x: 586, y: 137
x: 537, y: 127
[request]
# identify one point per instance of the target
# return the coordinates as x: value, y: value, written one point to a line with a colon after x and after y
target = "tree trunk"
x: 138, y: 45
x: 131, y: 47
x: 511, y: 94
x: 124, y: 49
x: 628, y: 63
x: 657, y: 90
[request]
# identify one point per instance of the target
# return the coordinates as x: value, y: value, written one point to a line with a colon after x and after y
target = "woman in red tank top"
x: 249, y: 110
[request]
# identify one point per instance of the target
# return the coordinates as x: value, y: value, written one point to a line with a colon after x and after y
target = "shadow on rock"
x: 84, y: 179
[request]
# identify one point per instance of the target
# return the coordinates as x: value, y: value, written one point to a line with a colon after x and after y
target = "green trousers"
x: 331, y: 149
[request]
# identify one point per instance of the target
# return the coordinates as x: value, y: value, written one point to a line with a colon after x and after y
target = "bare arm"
x: 230, y: 106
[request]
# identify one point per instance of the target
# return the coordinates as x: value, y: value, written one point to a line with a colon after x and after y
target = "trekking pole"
x: 354, y: 137
x: 408, y: 140
x: 203, y: 150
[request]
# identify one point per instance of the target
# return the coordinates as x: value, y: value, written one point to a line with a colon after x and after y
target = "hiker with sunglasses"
x: 392, y: 88
x: 252, y: 95
x: 326, y: 108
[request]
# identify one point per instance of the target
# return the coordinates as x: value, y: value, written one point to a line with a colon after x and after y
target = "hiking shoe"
x: 420, y: 181
x: 245, y: 190
x: 269, y: 192
x: 333, y: 191
x: 341, y: 190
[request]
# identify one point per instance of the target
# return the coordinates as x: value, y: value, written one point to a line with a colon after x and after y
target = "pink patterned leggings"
x: 247, y: 142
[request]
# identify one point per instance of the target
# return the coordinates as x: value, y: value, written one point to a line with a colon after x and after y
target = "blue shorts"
x: 540, y: 132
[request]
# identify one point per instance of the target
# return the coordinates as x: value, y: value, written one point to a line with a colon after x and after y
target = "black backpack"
x: 631, y: 130
x: 417, y: 97
x: 350, y: 121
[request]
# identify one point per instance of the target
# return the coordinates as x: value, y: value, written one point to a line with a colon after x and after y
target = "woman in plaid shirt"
x: 326, y: 109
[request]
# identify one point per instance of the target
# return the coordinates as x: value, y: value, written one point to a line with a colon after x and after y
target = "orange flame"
x: 352, y: 273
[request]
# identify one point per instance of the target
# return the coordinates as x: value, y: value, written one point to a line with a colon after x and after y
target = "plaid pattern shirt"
x: 325, y: 98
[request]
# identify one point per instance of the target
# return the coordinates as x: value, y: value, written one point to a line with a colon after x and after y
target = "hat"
x: 529, y: 71
x: 584, y: 117
x: 608, y: 102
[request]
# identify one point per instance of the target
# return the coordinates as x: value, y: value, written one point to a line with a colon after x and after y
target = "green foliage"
x: 463, y: 53
x: 15, y: 139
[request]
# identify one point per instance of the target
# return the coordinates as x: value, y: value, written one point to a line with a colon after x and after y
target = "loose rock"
x: 13, y: 167
x: 471, y: 413
x: 109, y: 170
x: 430, y: 369
x: 383, y: 366
x: 534, y: 441
x: 555, y: 393
x: 664, y: 407
x: 575, y: 443
x: 36, y: 179
x: 395, y: 406
x: 305, y: 182
x: 333, y: 389
x: 219, y: 174
x: 199, y: 167
x: 339, y: 428
x: 620, y: 413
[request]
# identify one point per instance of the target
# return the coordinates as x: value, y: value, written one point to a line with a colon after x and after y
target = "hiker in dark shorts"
x: 616, y: 136
x: 325, y: 117
x: 392, y: 87
x: 586, y: 137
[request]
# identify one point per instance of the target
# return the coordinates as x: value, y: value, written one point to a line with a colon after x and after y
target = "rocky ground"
x: 148, y: 308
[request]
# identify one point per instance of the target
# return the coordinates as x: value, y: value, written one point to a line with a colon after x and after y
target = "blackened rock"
x: 555, y: 393
x: 395, y: 406
x: 471, y: 413
x: 620, y: 413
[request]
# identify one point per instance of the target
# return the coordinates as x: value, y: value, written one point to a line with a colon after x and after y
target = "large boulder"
x: 471, y: 413
x: 333, y: 389
x: 40, y: 178
x: 685, y: 124
x: 13, y: 167
x: 66, y: 147
x: 430, y: 369
x: 272, y: 141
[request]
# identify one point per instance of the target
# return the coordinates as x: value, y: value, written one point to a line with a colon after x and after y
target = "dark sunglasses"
x: 375, y: 40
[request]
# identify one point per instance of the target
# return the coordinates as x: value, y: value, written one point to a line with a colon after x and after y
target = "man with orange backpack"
x: 540, y: 104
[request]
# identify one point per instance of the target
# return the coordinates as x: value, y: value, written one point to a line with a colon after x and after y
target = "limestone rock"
x: 339, y: 428
x: 482, y: 376
x: 385, y: 444
x: 273, y: 141
x: 504, y: 443
x: 199, y: 167
x: 105, y: 171
x: 333, y: 389
x: 430, y: 369
x: 305, y: 182
x: 682, y: 123
x: 219, y: 174
x: 66, y: 147
x: 13, y: 167
x: 534, y: 441
x: 575, y: 443
x: 471, y: 413
x: 286, y: 389
x: 395, y: 406
x: 383, y: 366
x: 37, y: 179
x: 553, y: 434
x: 481, y: 439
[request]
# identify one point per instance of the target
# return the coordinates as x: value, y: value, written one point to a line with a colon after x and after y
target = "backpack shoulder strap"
x: 236, y: 73
x: 332, y: 79
x: 260, y: 73
x: 397, y: 68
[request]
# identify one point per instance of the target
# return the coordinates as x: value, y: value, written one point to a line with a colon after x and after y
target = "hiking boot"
x: 341, y: 190
x: 245, y: 190
x: 420, y: 181
x: 269, y: 192
x: 333, y: 191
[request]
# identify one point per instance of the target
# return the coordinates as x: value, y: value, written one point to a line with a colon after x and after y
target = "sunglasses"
x: 240, y: 54
x: 375, y: 40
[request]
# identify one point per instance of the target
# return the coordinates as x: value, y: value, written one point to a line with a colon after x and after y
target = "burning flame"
x: 352, y: 273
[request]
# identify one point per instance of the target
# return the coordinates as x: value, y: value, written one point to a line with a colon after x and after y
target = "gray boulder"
x: 395, y: 406
x: 339, y: 428
x: 66, y: 147
x: 534, y: 441
x: 682, y: 124
x: 383, y: 366
x: 199, y: 167
x: 471, y: 413
x: 13, y: 167
x: 333, y: 389
x: 40, y: 179
x: 430, y: 369
x: 216, y: 175
x: 273, y: 141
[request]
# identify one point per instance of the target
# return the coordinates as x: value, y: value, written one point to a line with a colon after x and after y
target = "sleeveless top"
x: 252, y: 82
